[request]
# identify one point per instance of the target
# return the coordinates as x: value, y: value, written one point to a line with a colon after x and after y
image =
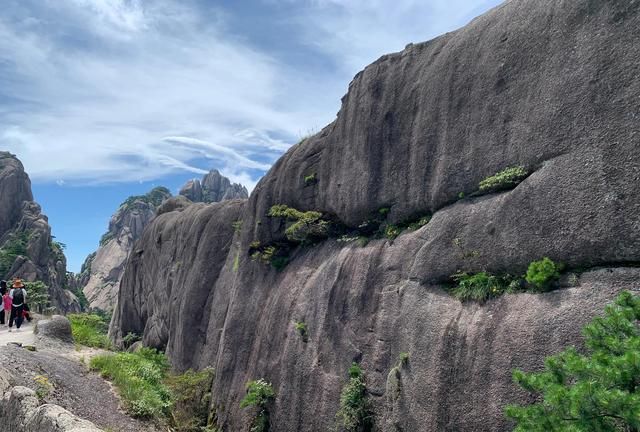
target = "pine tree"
x: 599, y: 391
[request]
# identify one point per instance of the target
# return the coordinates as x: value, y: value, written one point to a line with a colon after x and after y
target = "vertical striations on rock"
x: 550, y: 85
x: 102, y: 270
x: 214, y: 187
x: 27, y: 249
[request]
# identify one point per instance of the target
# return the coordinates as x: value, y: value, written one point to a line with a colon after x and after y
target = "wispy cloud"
x: 100, y: 91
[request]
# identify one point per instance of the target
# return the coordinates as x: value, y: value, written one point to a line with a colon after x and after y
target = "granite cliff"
x: 214, y: 187
x: 101, y: 272
x: 548, y: 85
x: 27, y: 249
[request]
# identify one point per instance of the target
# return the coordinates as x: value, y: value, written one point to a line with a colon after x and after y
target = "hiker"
x: 4, y: 316
x: 18, y: 296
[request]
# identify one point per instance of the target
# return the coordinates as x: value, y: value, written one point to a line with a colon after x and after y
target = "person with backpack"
x: 18, y: 297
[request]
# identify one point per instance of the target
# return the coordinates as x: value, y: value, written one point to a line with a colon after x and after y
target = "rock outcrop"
x: 21, y: 411
x: 101, y: 273
x: 549, y: 85
x: 27, y: 249
x: 214, y: 187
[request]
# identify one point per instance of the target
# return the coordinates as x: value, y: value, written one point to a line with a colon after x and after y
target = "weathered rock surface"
x: 20, y: 411
x: 24, y: 228
x: 551, y: 85
x: 57, y: 328
x: 102, y: 271
x: 214, y: 187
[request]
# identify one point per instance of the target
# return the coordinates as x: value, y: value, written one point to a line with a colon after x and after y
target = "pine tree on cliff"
x: 595, y: 392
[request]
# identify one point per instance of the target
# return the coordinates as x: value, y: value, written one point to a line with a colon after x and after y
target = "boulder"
x: 57, y: 328
x: 20, y: 411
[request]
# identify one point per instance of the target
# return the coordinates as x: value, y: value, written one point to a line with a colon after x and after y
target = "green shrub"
x: 139, y: 378
x: 259, y: 394
x: 301, y: 327
x: 90, y: 330
x: 306, y: 227
x: 237, y: 226
x: 310, y: 179
x: 413, y: 226
x: 392, y: 231
x: 191, y: 395
x: 478, y: 286
x: 130, y: 339
x: 355, y: 414
x: 14, y: 247
x: 595, y: 391
x: 403, y: 359
x: 543, y: 273
x: 505, y: 179
x: 38, y: 297
x: 384, y: 211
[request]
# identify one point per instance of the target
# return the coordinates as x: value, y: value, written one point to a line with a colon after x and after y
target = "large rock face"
x: 214, y: 187
x: 101, y: 273
x: 27, y: 249
x: 550, y: 85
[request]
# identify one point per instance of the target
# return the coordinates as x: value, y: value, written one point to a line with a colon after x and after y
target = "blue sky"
x: 102, y: 99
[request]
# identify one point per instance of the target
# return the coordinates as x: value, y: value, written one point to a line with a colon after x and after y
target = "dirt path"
x: 24, y: 336
x: 75, y: 388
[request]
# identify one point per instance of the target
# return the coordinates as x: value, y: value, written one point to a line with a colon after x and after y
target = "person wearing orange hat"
x: 18, y: 297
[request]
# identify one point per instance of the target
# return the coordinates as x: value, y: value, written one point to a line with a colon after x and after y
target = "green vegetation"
x: 259, y: 394
x: 154, y: 197
x: 14, y: 247
x: 310, y: 179
x: 236, y: 262
x: 191, y: 395
x: 106, y: 238
x: 90, y: 330
x: 57, y: 249
x: 392, y: 231
x: 130, y: 339
x: 355, y: 413
x: 505, y: 179
x: 38, y: 297
x: 276, y: 257
x: 543, y: 273
x: 597, y: 391
x: 44, y: 386
x: 384, y: 211
x: 306, y: 226
x: 139, y: 378
x: 301, y: 327
x: 479, y: 286
x: 403, y: 359
x: 237, y: 226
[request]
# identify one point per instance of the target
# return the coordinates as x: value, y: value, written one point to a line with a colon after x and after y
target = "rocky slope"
x: 214, y: 187
x: 102, y: 270
x: 27, y: 249
x: 550, y: 85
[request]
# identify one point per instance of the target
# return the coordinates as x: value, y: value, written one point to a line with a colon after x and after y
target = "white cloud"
x: 125, y: 90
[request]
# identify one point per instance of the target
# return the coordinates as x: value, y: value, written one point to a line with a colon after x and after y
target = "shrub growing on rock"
x: 596, y: 391
x: 543, y: 273
x: 301, y: 327
x: 306, y: 227
x: 259, y: 394
x: 355, y: 413
x: 191, y: 395
x: 478, y: 286
x: 505, y: 179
